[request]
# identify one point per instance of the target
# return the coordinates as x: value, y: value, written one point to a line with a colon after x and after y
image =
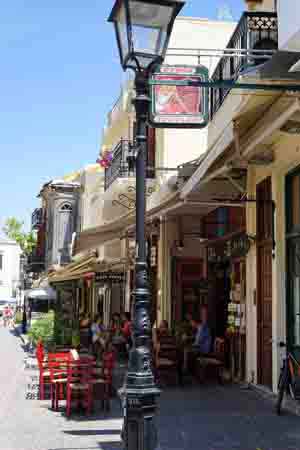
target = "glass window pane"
x: 121, y: 24
x: 295, y: 201
x: 296, y: 321
x: 149, y: 26
x: 146, y: 40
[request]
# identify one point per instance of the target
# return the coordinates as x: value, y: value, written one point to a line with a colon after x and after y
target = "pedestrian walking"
x: 6, y: 314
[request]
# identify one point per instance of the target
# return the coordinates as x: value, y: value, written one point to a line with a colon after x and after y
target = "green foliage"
x: 62, y: 333
x: 14, y: 230
x: 43, y: 329
x: 75, y: 338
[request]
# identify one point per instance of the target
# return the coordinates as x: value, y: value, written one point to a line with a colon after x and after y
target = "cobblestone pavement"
x: 196, y: 418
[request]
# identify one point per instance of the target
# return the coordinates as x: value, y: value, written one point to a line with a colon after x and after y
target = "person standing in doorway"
x: 126, y: 329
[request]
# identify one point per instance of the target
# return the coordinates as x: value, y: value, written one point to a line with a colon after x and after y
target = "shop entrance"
x: 187, y: 291
x: 264, y: 236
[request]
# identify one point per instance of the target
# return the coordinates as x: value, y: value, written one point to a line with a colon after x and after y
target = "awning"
x: 74, y: 271
x: 43, y: 294
x: 95, y: 237
x: 109, y: 265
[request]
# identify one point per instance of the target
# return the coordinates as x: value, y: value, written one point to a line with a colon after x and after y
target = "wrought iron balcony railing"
x: 120, y: 167
x: 36, y: 218
x: 256, y: 31
x: 35, y: 262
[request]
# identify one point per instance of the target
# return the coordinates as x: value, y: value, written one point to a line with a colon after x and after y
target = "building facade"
x: 10, y: 253
x: 54, y: 223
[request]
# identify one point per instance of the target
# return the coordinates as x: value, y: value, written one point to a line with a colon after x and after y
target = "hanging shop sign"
x: 238, y: 246
x: 216, y: 253
x: 175, y: 105
x: 153, y: 256
x: 111, y: 277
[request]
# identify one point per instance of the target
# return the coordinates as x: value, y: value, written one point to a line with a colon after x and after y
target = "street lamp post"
x: 143, y: 29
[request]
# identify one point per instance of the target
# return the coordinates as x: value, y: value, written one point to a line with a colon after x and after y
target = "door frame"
x: 266, y: 242
x: 291, y: 234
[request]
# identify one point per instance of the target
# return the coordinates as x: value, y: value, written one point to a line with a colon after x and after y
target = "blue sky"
x: 59, y: 76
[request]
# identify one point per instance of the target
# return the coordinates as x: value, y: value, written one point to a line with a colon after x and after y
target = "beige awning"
x: 74, y: 271
x: 94, y: 237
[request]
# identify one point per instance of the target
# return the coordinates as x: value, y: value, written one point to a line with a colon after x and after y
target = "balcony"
x: 256, y: 31
x: 119, y: 167
x: 35, y: 262
x: 36, y: 218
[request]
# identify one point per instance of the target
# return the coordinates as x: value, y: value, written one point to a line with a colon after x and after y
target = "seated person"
x: 97, y: 331
x: 162, y: 330
x: 84, y: 321
x: 203, y: 341
x: 126, y: 329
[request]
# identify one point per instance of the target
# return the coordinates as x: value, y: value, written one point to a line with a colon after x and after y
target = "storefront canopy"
x: 75, y: 270
x: 46, y: 294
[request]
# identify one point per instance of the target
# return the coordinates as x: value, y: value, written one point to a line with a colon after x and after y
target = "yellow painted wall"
x: 287, y: 158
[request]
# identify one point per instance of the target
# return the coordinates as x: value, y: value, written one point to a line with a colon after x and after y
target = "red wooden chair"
x: 58, y: 367
x: 79, y: 384
x: 44, y: 374
x: 104, y: 376
x: 214, y: 361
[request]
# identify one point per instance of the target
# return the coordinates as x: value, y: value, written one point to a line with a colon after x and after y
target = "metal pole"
x: 139, y: 393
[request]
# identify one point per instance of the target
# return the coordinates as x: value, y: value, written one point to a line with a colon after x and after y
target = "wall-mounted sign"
x: 153, y: 256
x: 109, y: 277
x: 216, y: 253
x: 175, y: 103
x: 239, y: 246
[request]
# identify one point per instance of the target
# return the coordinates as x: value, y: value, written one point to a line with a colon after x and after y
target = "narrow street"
x: 206, y: 417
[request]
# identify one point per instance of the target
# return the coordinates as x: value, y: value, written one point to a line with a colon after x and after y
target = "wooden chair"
x: 166, y: 358
x: 44, y: 373
x: 58, y: 366
x: 80, y: 380
x: 214, y: 360
x: 104, y: 376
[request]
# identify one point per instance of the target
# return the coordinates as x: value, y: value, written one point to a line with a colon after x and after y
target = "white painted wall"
x: 286, y: 150
x: 289, y: 24
x: 9, y: 275
x: 92, y: 182
x: 196, y: 33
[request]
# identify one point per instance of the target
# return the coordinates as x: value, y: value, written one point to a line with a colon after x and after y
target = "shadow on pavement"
x: 92, y: 432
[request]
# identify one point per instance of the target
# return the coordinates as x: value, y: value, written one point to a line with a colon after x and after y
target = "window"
x: 1, y: 261
x: 66, y: 207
